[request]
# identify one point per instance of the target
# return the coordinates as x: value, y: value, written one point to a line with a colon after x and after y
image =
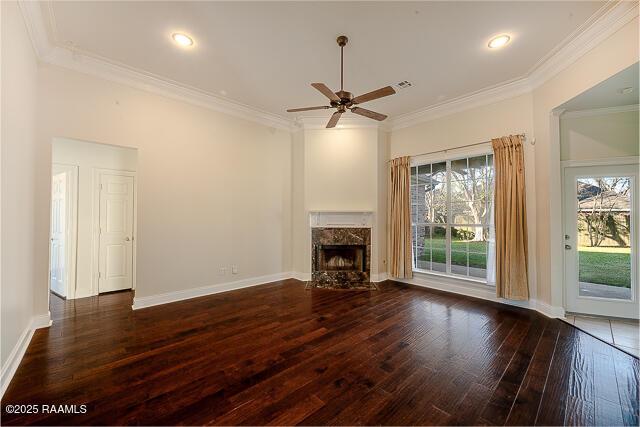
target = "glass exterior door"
x: 601, y: 214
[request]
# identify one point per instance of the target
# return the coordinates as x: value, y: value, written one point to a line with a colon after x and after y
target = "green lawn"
x: 607, y: 268
x: 477, y: 257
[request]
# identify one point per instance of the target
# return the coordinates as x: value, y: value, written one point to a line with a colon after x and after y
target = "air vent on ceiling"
x: 405, y: 84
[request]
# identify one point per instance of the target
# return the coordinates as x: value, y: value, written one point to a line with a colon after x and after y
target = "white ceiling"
x: 607, y: 93
x: 265, y: 54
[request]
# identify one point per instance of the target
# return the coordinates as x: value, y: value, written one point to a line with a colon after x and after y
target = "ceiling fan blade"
x: 368, y: 113
x: 293, y: 110
x: 378, y: 93
x: 326, y: 91
x: 333, y: 121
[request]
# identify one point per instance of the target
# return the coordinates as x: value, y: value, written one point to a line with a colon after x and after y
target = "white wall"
x: 599, y: 136
x: 213, y: 190
x: 19, y: 159
x: 87, y: 157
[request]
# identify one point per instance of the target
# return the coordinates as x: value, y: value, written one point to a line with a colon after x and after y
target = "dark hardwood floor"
x: 278, y: 354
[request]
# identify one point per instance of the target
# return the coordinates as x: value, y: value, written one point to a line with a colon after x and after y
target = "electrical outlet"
x: 223, y: 271
x: 234, y: 269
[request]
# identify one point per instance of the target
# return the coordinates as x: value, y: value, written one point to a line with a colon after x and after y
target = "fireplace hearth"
x: 340, y: 258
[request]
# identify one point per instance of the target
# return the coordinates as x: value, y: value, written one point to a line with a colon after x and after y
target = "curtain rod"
x: 523, y: 135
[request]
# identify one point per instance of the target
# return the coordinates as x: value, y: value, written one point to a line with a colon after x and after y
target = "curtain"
x: 510, y: 219
x: 399, y: 218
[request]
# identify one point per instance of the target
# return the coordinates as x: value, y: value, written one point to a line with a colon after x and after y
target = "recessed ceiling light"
x: 499, y: 41
x: 182, y: 39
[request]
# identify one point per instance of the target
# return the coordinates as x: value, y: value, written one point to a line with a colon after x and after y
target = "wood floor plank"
x: 279, y: 354
x: 499, y: 406
x: 525, y: 407
x: 628, y: 377
x: 553, y: 405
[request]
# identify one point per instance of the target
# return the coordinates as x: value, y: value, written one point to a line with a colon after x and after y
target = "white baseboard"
x: 550, y: 310
x: 380, y: 277
x: 41, y: 321
x: 480, y: 291
x: 150, y: 301
x: 303, y: 277
x: 17, y: 353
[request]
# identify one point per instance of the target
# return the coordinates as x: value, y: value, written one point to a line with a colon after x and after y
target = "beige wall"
x: 299, y: 215
x: 18, y: 269
x: 209, y: 182
x: 382, y: 212
x: 599, y: 136
x: 87, y: 157
x: 213, y: 190
x: 531, y: 113
x: 611, y: 56
x: 339, y: 170
x: 511, y: 116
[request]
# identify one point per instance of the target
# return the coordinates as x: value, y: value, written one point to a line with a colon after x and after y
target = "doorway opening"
x: 599, y: 154
x: 93, y: 219
x: 64, y: 192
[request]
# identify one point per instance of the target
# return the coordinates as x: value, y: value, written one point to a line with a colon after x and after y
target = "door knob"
x: 127, y: 238
x: 567, y: 247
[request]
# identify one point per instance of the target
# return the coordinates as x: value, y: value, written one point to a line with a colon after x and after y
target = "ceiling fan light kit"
x: 344, y: 100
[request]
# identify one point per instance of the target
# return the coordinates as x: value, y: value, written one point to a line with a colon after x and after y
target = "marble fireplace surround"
x: 335, y: 229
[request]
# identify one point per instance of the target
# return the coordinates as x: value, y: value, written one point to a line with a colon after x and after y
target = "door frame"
x: 71, y: 230
x: 95, y: 221
x: 611, y: 161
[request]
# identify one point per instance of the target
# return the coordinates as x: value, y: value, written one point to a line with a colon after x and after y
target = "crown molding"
x: 477, y: 99
x: 109, y: 70
x: 599, y: 111
x: 34, y: 20
x: 118, y: 73
x: 320, y: 122
x: 604, y: 23
x: 607, y: 22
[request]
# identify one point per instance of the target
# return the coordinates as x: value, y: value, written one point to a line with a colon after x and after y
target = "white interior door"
x: 58, y: 234
x: 116, y: 233
x: 601, y: 240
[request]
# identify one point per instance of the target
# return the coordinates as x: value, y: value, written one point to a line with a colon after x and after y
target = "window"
x: 452, y: 217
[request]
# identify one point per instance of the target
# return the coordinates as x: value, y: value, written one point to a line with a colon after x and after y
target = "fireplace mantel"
x: 341, y: 219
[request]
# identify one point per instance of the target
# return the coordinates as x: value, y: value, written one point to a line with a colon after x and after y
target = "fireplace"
x: 340, y: 258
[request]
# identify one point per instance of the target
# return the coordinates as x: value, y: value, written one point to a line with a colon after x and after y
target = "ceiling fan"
x: 343, y: 100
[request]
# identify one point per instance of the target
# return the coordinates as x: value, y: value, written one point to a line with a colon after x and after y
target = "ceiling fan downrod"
x: 345, y: 97
x: 342, y: 41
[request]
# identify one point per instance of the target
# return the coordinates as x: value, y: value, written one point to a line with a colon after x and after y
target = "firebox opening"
x: 341, y: 258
